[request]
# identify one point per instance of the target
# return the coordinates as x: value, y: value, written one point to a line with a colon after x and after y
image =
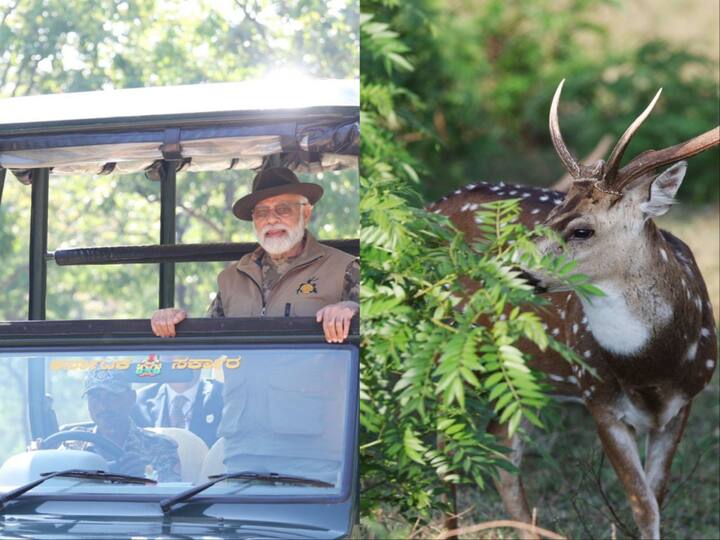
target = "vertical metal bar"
x: 38, y: 243
x: 2, y: 183
x: 167, y: 233
x: 38, y: 290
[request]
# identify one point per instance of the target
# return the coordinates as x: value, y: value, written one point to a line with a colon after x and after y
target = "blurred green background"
x: 485, y: 72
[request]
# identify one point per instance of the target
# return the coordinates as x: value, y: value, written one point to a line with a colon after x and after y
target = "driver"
x: 110, y: 402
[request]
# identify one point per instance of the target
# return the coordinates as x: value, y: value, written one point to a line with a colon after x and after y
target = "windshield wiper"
x: 167, y: 504
x: 73, y: 473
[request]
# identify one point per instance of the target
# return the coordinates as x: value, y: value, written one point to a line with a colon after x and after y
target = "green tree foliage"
x: 485, y: 73
x: 439, y: 360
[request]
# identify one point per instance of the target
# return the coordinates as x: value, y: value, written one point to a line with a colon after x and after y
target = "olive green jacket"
x: 315, y: 280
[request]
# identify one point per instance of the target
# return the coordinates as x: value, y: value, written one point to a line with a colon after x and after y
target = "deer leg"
x: 661, y: 447
x: 619, y: 444
x: 510, y: 485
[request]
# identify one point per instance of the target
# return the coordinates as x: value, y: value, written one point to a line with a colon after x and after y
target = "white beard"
x: 276, y: 246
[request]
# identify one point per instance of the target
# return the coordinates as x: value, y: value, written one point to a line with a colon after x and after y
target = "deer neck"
x: 638, y: 304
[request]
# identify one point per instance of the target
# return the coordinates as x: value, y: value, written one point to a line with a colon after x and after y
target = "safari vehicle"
x: 294, y: 447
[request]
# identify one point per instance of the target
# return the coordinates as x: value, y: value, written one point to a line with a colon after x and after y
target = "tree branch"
x: 204, y: 219
x: 8, y: 13
x: 258, y: 25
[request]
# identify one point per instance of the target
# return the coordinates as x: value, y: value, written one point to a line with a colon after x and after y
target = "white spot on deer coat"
x: 704, y: 332
x: 555, y: 331
x: 710, y: 363
x: 535, y: 211
x: 544, y: 198
x: 663, y: 254
x: 615, y: 327
x: 587, y: 354
x: 513, y: 192
x: 692, y: 351
x: 575, y: 328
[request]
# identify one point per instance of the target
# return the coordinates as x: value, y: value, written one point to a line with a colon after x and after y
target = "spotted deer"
x: 651, y: 339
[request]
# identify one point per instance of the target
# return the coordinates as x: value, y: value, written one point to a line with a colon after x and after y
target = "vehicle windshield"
x: 178, y: 416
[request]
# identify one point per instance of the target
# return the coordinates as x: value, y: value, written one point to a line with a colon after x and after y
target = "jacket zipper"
x: 262, y: 296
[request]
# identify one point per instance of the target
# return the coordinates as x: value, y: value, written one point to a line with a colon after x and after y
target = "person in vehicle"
x: 195, y: 405
x: 110, y: 402
x: 290, y: 273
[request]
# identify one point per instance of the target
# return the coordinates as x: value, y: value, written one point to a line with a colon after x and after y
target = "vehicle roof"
x: 217, y: 126
x: 42, y: 113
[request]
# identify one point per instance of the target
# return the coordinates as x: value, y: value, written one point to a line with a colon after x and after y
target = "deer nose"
x: 534, y: 282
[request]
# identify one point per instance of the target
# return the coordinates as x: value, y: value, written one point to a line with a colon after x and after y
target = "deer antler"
x: 652, y: 159
x: 613, y: 163
x: 612, y: 177
x: 573, y: 166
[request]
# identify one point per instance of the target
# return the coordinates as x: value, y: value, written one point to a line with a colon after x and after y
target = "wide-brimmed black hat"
x: 271, y: 182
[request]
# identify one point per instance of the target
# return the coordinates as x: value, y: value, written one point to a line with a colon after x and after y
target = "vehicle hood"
x: 50, y: 520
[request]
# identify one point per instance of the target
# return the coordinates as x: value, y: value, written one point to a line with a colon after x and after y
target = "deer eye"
x: 582, y: 234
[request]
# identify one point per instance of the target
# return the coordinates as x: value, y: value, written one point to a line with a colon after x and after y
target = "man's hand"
x: 163, y: 321
x: 336, y: 320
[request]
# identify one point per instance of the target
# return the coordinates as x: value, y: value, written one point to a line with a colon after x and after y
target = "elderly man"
x: 290, y: 273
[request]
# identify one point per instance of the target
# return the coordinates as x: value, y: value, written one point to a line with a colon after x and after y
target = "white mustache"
x: 271, y: 228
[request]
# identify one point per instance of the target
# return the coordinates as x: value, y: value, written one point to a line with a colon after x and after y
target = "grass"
x: 564, y: 466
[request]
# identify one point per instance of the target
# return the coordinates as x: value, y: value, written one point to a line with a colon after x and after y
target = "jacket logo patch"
x: 309, y: 287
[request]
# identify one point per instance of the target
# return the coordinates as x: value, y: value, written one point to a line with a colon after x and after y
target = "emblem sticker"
x: 308, y: 287
x: 149, y: 367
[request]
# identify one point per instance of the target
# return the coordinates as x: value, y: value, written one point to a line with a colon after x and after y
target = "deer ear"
x: 663, y: 190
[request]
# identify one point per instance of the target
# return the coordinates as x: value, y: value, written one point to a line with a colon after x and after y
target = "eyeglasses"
x: 281, y: 210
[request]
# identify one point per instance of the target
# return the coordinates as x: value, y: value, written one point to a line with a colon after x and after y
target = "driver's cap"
x: 107, y: 379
